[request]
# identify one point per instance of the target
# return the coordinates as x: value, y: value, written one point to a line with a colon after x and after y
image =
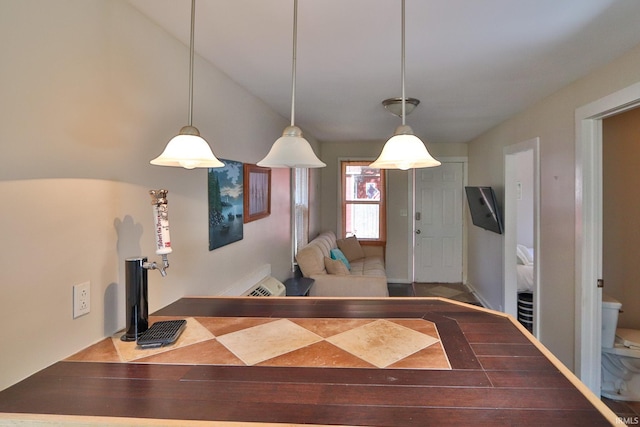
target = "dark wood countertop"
x: 499, y: 375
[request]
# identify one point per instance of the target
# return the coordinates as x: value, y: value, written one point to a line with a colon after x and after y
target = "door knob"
x: 418, y: 231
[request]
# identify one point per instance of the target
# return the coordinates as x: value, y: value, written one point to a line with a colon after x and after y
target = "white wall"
x: 90, y: 91
x: 553, y: 120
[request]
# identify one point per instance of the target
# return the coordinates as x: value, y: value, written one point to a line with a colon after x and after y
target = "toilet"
x: 620, y: 355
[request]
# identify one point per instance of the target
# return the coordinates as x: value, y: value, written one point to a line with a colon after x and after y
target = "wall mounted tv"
x: 484, y: 208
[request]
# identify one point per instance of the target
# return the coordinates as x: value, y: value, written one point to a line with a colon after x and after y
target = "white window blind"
x: 301, y: 201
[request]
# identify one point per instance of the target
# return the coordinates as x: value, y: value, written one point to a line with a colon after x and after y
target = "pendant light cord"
x: 404, y: 98
x: 293, y: 63
x: 191, y: 57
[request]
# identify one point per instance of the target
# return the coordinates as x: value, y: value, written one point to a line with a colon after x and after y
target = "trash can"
x: 525, y: 310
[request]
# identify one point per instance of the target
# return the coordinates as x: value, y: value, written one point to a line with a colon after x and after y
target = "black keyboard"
x: 161, y: 333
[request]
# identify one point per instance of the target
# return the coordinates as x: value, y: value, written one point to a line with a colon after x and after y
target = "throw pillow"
x: 351, y: 248
x: 336, y: 254
x: 336, y: 267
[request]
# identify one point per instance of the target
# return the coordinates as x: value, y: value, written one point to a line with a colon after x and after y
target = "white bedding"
x: 525, y: 278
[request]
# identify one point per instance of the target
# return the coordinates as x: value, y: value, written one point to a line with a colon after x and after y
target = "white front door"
x: 438, y: 223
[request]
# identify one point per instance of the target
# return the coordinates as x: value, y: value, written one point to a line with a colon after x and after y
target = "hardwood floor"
x: 629, y: 412
x: 453, y: 291
x: 498, y: 377
x: 626, y: 411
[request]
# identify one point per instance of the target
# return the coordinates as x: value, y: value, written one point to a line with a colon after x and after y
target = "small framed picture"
x: 257, y: 192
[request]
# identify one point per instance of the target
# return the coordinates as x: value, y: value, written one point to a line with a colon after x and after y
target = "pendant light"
x: 188, y: 149
x: 404, y: 150
x: 292, y: 150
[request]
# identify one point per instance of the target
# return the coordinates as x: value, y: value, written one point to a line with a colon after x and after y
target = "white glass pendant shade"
x: 404, y: 151
x: 291, y: 150
x: 188, y: 150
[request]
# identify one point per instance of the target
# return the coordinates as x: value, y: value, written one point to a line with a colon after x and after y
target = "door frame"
x: 588, y: 225
x: 411, y: 223
x: 510, y: 230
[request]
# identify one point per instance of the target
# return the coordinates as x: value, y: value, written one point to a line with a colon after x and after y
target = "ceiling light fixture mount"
x: 404, y: 150
x: 394, y: 105
x: 188, y: 149
x: 292, y: 150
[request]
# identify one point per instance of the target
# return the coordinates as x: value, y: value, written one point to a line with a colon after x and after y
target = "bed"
x: 525, y: 268
x: 525, y: 278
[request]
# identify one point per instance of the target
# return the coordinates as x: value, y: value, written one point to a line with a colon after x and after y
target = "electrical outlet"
x: 81, y: 299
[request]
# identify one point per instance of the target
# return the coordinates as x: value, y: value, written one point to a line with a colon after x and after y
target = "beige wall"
x: 621, y: 213
x: 91, y: 91
x: 553, y: 120
x: 398, y: 206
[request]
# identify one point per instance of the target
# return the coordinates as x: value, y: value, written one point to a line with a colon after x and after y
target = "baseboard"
x: 399, y: 281
x: 483, y: 301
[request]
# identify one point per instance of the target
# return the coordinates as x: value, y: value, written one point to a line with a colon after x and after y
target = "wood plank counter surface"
x: 438, y: 362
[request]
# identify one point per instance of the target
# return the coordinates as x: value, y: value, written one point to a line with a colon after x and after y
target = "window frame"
x: 301, y: 182
x: 382, y: 203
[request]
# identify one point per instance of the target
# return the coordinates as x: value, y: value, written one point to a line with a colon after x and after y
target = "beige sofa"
x: 366, y: 277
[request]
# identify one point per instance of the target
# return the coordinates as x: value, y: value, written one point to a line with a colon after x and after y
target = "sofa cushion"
x: 351, y: 248
x: 370, y: 266
x: 311, y: 260
x: 337, y: 254
x: 335, y: 266
x: 325, y: 241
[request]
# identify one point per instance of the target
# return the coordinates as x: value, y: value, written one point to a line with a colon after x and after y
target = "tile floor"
x: 301, y: 342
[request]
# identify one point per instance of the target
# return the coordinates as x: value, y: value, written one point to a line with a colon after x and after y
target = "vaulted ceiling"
x: 471, y: 63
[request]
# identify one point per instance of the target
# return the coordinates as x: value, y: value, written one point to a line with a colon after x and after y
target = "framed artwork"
x: 257, y: 192
x: 226, y: 201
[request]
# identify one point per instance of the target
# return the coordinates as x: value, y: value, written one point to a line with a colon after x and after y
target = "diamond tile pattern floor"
x: 264, y: 342
x: 364, y: 343
x: 382, y: 342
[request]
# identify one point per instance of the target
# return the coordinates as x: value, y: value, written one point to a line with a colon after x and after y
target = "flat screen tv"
x: 484, y: 208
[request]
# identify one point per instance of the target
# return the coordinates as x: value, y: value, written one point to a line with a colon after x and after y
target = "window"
x: 301, y: 204
x: 363, y: 201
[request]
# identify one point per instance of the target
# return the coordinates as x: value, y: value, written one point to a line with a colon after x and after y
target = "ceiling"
x: 471, y: 63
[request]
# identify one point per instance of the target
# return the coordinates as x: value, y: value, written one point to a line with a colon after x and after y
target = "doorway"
x: 588, y: 244
x: 521, y: 237
x: 621, y: 213
x: 438, y: 242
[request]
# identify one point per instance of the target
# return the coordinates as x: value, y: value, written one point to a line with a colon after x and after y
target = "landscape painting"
x: 226, y: 204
